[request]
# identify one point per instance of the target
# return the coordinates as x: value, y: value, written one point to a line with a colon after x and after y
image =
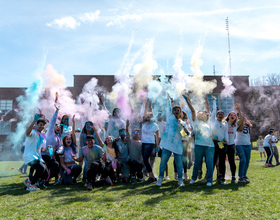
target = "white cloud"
x: 90, y: 16
x: 65, y: 22
x: 70, y: 22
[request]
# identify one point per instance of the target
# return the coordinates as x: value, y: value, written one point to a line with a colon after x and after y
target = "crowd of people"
x: 125, y: 150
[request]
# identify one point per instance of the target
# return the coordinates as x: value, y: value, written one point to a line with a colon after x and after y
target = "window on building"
x: 6, y: 105
x: 225, y: 104
x: 5, y: 127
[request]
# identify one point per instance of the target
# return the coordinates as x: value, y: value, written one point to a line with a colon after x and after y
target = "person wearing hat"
x: 220, y: 138
x: 171, y: 142
x: 34, y: 144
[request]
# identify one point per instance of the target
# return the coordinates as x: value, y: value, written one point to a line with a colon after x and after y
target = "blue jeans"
x: 85, y: 169
x: 163, y: 162
x: 244, y: 154
x: 199, y: 152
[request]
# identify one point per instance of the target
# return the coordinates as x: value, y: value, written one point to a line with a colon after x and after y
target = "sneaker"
x: 181, y: 182
x: 89, y: 186
x: 27, y: 182
x: 133, y: 180
x: 200, y: 174
x: 269, y: 164
x: 20, y: 170
x: 79, y: 177
x: 277, y: 164
x: 167, y: 178
x: 25, y: 173
x: 159, y: 182
x: 151, y: 180
x: 142, y: 179
x: 241, y: 180
x: 186, y: 177
x: 109, y: 181
x: 176, y: 176
x: 261, y: 159
x: 32, y: 188
x: 233, y: 179
x: 192, y: 181
x: 246, y: 178
x: 223, y: 182
x: 208, y: 184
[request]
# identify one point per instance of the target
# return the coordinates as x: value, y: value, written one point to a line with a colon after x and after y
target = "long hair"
x: 85, y: 128
x: 73, y: 146
x: 227, y: 118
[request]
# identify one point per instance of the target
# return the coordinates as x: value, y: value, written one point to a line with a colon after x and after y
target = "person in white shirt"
x: 34, y: 144
x: 204, y: 145
x: 150, y: 140
x: 267, y: 144
x: 243, y: 148
x: 229, y: 148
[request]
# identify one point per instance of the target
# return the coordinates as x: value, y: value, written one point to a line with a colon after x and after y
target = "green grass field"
x: 255, y: 200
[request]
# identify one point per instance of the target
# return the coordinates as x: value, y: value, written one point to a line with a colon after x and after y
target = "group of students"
x: 124, y: 151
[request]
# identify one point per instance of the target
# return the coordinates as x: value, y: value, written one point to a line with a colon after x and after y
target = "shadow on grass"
x: 70, y: 194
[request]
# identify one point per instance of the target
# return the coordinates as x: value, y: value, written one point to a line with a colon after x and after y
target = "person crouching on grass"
x: 34, y: 143
x: 171, y: 142
x: 95, y: 157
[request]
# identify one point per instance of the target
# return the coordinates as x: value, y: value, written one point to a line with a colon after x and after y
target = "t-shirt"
x: 122, y: 149
x: 243, y: 137
x: 273, y: 141
x: 148, y: 132
x: 202, y: 133
x: 110, y: 153
x: 172, y: 137
x: 33, y: 145
x: 232, y: 129
x: 266, y: 140
x: 135, y: 150
x: 220, y: 130
x: 67, y: 155
x: 91, y: 154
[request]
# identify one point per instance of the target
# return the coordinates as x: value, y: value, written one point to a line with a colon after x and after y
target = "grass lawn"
x: 255, y: 200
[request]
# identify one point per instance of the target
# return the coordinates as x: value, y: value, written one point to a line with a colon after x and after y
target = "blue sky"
x: 92, y: 37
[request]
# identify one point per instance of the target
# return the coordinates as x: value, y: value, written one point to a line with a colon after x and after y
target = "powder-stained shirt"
x: 232, y: 129
x: 91, y: 154
x: 33, y: 145
x: 135, y: 150
x: 172, y: 138
x: 148, y: 132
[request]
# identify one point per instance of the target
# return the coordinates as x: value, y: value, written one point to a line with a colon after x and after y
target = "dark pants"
x: 97, y: 168
x: 52, y: 165
x: 228, y: 150
x: 75, y: 172
x: 269, y: 154
x: 147, y: 150
x: 41, y: 171
x: 135, y: 168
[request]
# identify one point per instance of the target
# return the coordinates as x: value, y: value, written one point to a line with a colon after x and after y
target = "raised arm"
x: 240, y: 122
x: 186, y: 97
x: 52, y: 122
x: 214, y: 112
x: 207, y: 104
x: 73, y: 134
x: 29, y: 129
x: 101, y: 143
